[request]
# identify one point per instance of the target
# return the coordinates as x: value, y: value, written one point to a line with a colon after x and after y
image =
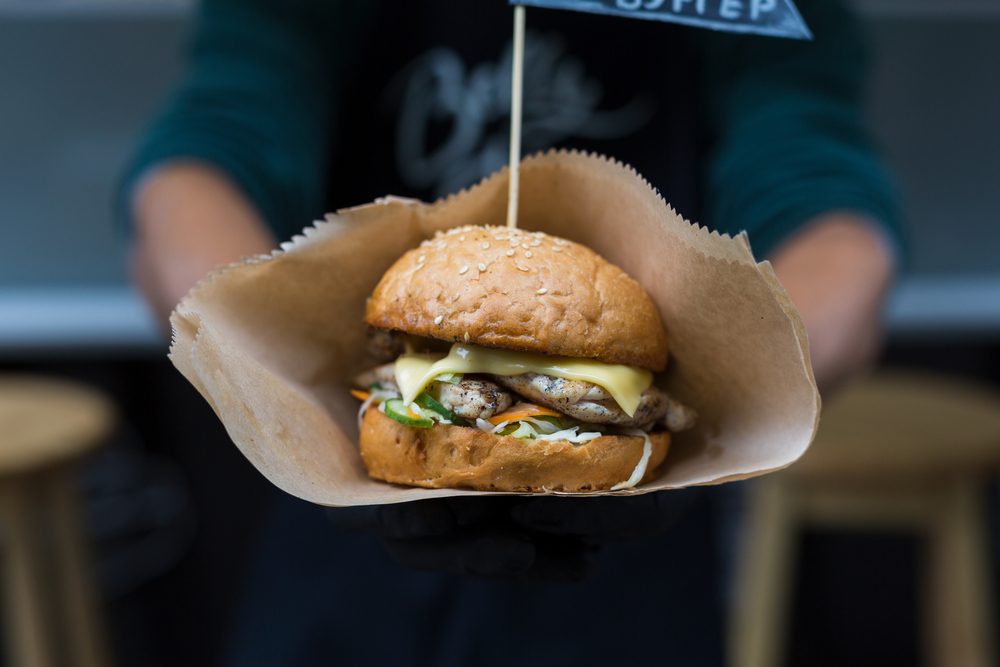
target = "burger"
x: 513, y: 361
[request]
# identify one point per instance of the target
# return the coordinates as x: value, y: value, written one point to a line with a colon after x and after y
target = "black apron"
x: 427, y: 111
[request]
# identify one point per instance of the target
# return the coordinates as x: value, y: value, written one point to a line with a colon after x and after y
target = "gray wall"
x: 935, y: 103
x: 75, y: 90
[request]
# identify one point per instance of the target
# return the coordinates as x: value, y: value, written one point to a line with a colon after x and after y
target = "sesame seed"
x: 542, y: 290
x: 524, y: 245
x: 514, y: 242
x: 462, y: 270
x: 509, y: 253
x: 557, y: 248
x: 486, y: 245
x: 461, y: 238
x: 536, y: 243
x: 439, y: 319
x: 527, y: 253
x: 466, y: 336
x: 522, y: 268
x: 421, y: 259
x: 481, y: 267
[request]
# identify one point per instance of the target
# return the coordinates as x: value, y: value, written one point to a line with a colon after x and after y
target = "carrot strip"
x: 360, y: 395
x: 522, y: 410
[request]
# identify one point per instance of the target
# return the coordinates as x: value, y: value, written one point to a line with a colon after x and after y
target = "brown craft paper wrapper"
x: 272, y: 342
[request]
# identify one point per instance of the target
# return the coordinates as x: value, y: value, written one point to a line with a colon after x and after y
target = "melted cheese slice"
x: 624, y: 383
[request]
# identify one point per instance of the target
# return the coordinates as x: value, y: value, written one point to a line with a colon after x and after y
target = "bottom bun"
x: 468, y: 458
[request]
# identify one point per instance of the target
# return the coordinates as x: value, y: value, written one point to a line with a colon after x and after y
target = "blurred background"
x: 168, y: 513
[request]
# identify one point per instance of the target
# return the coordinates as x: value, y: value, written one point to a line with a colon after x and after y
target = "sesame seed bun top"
x: 520, y: 290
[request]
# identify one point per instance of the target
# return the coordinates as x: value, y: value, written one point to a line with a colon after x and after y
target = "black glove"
x: 556, y: 539
x: 602, y: 519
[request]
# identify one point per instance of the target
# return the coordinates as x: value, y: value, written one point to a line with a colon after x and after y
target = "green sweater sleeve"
x: 787, y: 132
x: 257, y: 101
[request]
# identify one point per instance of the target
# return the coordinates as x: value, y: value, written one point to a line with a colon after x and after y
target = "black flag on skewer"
x: 777, y: 18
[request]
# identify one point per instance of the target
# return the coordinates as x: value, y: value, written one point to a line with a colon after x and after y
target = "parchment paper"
x: 272, y: 342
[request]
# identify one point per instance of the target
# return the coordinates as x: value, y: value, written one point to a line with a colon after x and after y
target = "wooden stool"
x: 895, y: 451
x: 51, y: 615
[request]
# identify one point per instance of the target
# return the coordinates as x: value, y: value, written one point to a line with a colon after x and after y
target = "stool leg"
x: 77, y: 595
x: 764, y: 578
x: 29, y: 637
x: 960, y: 614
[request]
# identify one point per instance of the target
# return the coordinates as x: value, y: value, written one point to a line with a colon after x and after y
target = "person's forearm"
x: 837, y: 271
x: 188, y: 219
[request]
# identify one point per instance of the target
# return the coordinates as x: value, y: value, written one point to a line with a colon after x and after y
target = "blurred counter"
x: 114, y: 320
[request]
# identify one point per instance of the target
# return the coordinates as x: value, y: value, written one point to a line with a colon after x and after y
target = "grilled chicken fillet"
x: 482, y: 396
x: 592, y: 404
x: 474, y: 397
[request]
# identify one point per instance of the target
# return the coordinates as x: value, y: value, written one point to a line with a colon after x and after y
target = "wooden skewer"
x: 516, y: 85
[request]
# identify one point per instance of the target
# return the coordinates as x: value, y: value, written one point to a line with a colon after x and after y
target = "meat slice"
x: 384, y: 376
x: 592, y: 404
x: 679, y: 417
x: 557, y: 391
x: 385, y: 345
x: 473, y: 398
